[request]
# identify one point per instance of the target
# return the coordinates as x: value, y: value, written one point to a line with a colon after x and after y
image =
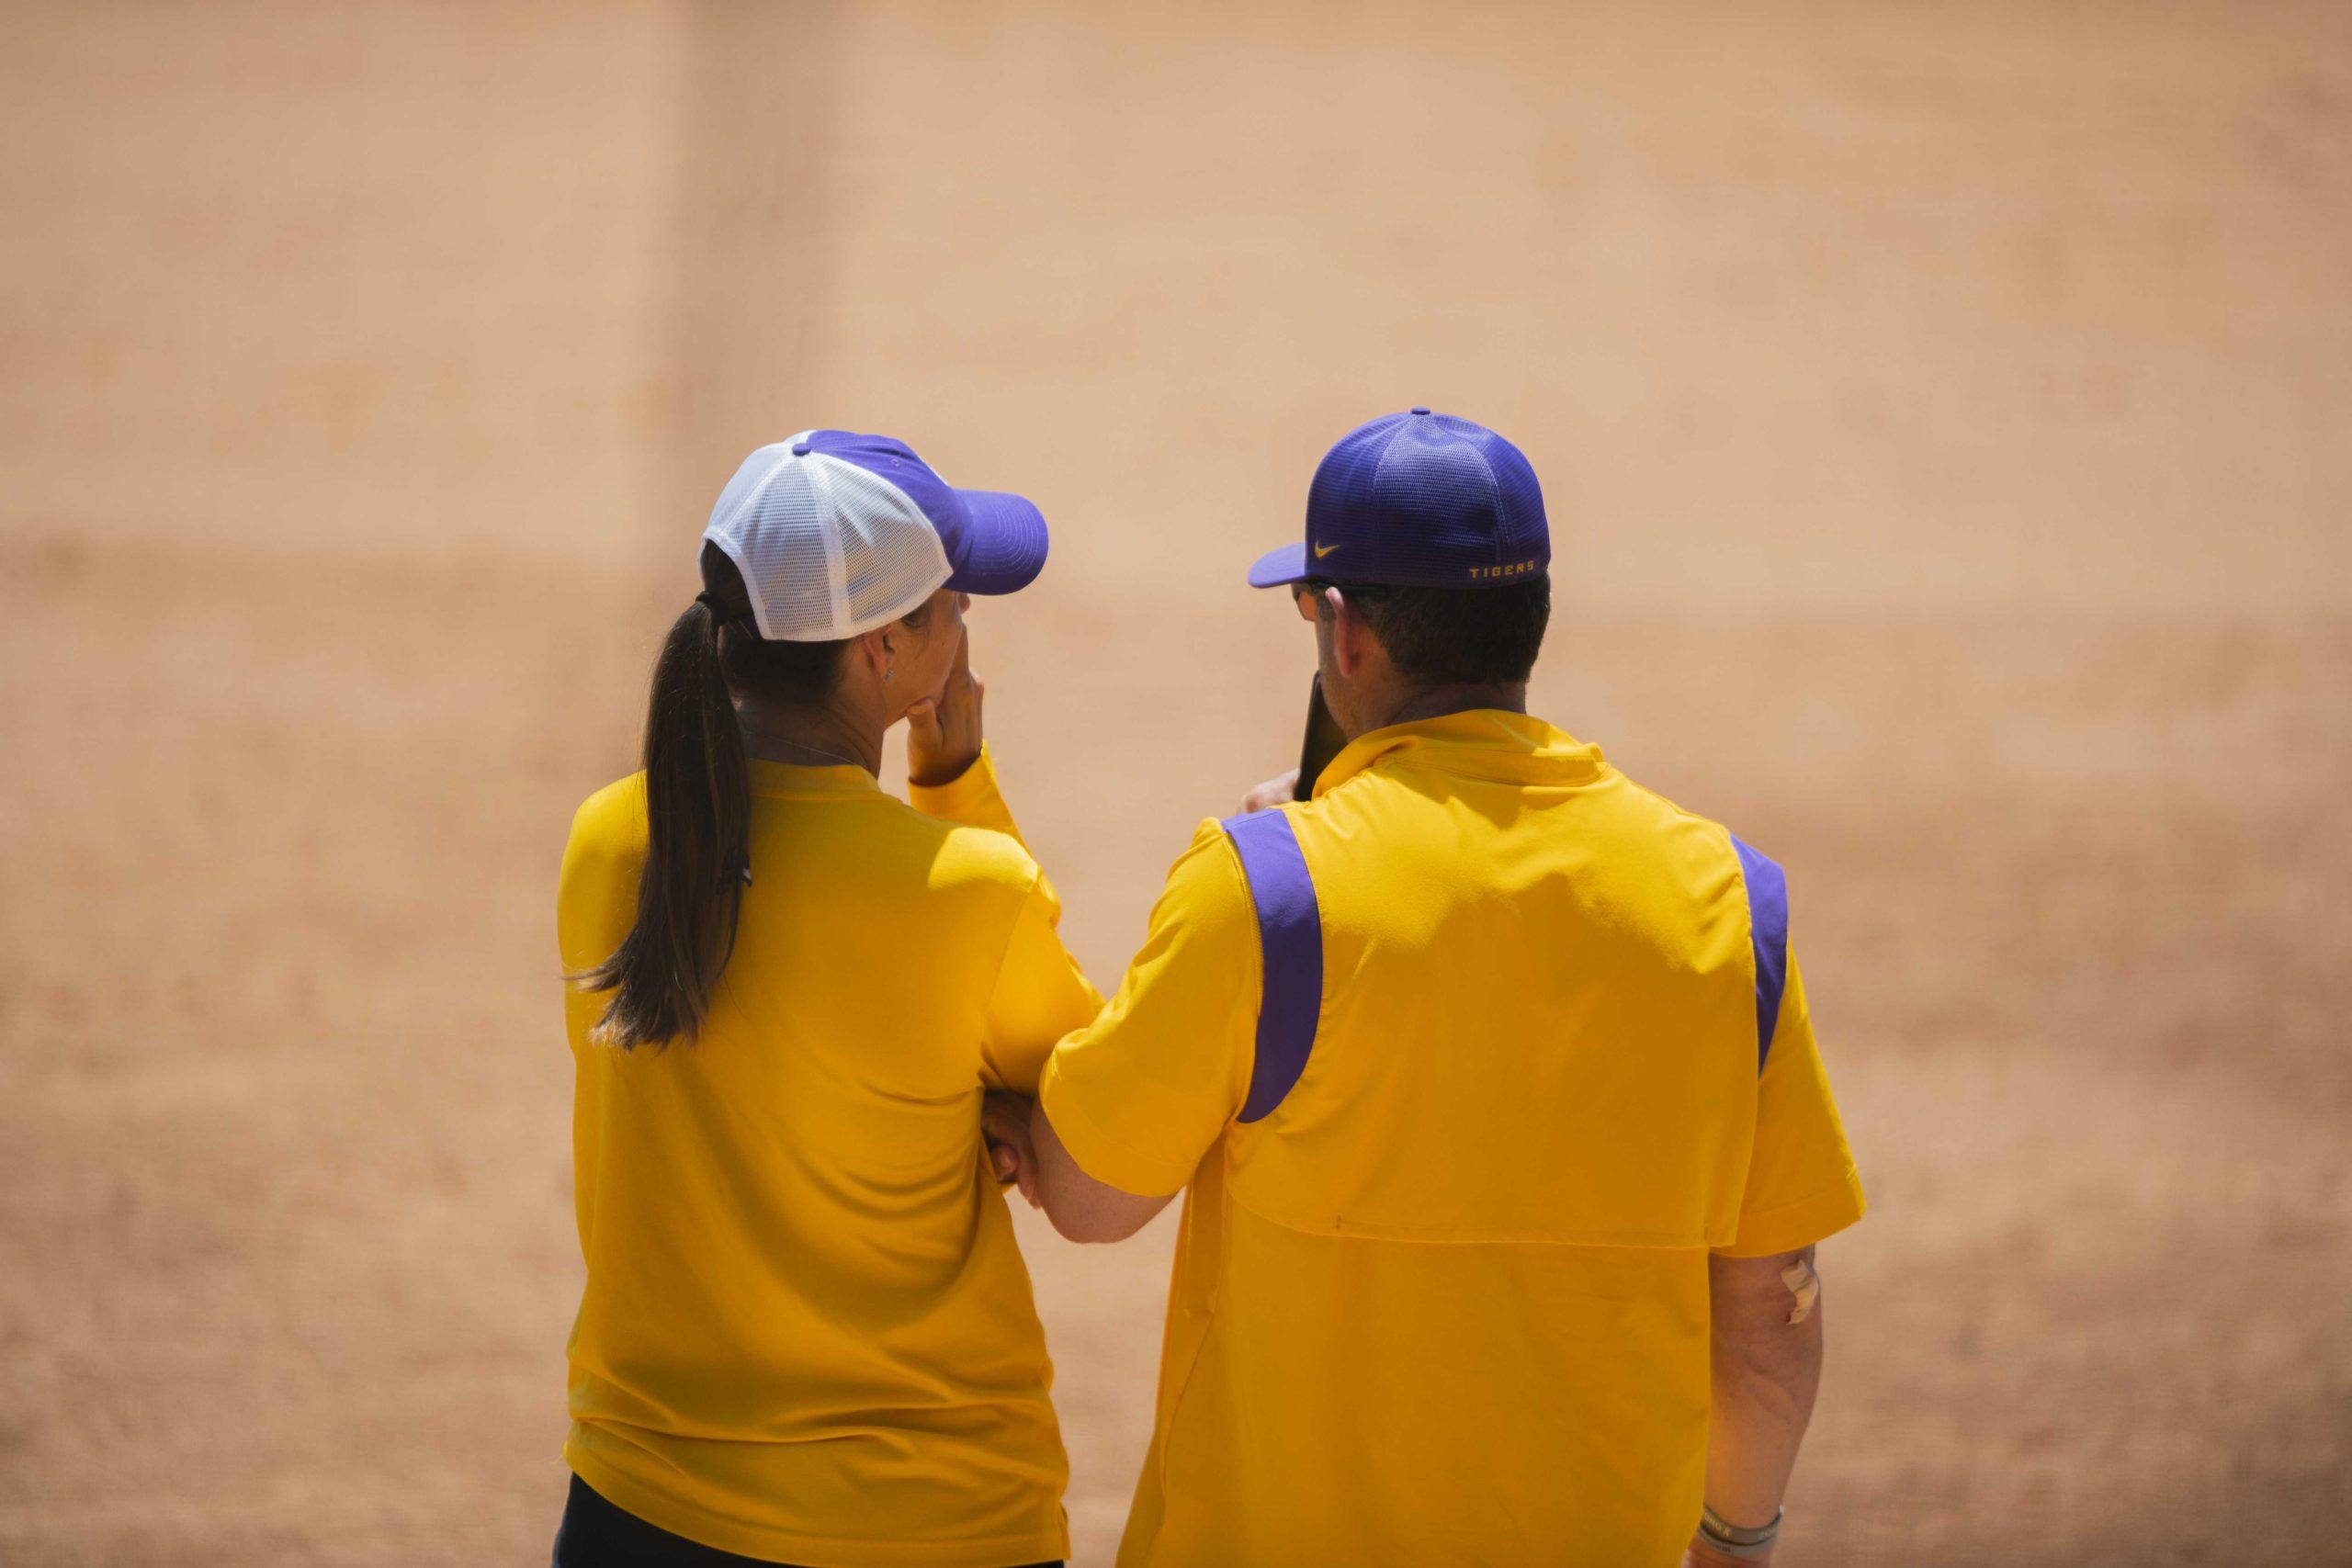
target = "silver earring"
x: 888, y: 674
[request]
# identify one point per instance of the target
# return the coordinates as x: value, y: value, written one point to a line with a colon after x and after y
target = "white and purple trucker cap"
x: 836, y: 534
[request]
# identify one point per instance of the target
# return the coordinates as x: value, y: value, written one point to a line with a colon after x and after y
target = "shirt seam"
x: 876, y: 795
x: 1012, y: 929
x: 1835, y: 1189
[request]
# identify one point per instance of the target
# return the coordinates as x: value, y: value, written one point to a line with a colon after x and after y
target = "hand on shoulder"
x: 1276, y: 791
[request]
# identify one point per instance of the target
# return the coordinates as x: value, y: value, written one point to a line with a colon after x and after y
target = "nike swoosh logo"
x: 1322, y: 550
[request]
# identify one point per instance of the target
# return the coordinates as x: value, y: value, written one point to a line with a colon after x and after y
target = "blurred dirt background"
x: 1946, y: 415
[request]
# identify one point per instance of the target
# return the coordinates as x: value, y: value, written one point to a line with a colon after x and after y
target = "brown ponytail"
x: 698, y: 810
x: 698, y: 805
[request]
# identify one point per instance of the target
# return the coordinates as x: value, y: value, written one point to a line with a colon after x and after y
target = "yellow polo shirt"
x: 807, y: 1333
x: 1447, y: 1302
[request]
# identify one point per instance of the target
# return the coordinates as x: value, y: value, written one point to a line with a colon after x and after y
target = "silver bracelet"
x: 1732, y: 1541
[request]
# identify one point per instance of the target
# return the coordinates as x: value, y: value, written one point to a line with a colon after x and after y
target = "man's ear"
x: 1348, y: 633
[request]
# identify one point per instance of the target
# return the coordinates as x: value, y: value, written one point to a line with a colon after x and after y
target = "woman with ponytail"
x: 806, y: 1334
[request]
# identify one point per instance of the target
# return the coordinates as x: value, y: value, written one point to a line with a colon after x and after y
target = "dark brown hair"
x: 1469, y: 637
x: 698, y: 807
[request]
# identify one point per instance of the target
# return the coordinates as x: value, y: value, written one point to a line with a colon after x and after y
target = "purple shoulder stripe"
x: 1289, y: 939
x: 1768, y: 928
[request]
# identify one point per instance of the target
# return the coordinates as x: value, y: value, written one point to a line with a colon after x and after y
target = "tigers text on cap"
x: 1418, y: 500
x: 836, y: 534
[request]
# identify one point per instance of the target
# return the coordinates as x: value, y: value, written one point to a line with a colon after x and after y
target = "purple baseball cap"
x: 837, y: 533
x: 1418, y: 500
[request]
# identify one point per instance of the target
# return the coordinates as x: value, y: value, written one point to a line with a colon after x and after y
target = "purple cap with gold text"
x: 1418, y: 500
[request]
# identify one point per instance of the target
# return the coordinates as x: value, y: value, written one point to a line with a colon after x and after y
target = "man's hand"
x: 1004, y: 1127
x: 944, y: 732
x: 1275, y: 791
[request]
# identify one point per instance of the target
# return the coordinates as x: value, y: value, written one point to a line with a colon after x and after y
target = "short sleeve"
x: 1040, y: 996
x: 974, y: 798
x: 1142, y: 1093
x: 1801, y: 1184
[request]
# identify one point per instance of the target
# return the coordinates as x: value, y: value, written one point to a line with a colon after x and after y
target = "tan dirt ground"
x: 1946, y: 423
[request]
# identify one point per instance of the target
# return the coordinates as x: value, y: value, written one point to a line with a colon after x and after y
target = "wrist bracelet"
x: 1733, y: 1540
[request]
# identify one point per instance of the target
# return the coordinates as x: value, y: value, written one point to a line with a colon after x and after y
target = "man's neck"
x: 1436, y: 702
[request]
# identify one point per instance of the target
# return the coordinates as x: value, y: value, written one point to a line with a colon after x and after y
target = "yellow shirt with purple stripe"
x: 1441, y: 1291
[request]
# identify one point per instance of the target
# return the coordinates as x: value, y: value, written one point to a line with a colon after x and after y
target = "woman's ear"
x: 876, y: 646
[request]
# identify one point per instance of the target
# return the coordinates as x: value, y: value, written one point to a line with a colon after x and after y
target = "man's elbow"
x: 1076, y: 1224
x: 1097, y: 1215
x: 1767, y: 1311
x: 1079, y: 1207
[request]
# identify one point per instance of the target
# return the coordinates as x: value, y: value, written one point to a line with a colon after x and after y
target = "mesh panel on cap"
x: 891, y: 558
x: 827, y: 550
x: 776, y: 534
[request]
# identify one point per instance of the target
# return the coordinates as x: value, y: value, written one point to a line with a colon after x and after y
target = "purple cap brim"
x: 1276, y: 567
x: 1003, y: 549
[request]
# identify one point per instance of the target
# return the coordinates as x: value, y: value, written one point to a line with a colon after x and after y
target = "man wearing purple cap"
x: 1490, y: 1081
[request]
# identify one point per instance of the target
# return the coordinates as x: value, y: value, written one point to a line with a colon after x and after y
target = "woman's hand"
x: 944, y: 732
x: 1004, y: 1128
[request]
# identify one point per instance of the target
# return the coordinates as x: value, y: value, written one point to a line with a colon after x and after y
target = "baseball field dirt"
x: 1947, y: 426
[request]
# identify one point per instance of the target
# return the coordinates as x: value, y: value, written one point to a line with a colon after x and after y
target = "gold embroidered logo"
x: 1322, y: 550
x: 1489, y: 573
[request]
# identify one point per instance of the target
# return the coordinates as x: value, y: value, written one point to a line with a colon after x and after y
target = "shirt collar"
x: 792, y: 780
x: 1485, y: 743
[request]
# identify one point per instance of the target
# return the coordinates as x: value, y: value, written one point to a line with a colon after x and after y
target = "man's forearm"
x: 1766, y: 1369
x: 1082, y: 1208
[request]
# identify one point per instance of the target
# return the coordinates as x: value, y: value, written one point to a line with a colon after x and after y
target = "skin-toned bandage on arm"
x: 1805, y: 1285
